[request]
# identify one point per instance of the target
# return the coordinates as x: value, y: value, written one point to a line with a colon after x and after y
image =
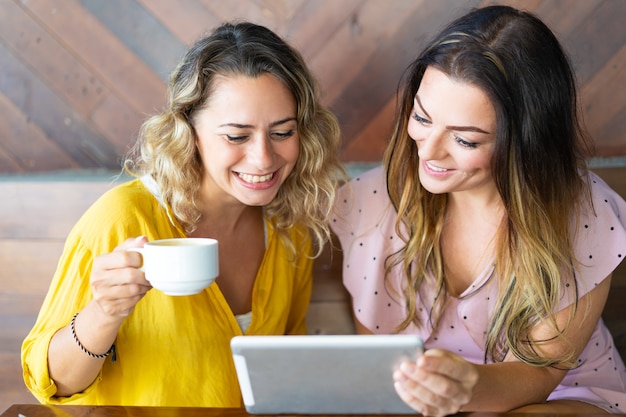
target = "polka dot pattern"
x: 364, y: 221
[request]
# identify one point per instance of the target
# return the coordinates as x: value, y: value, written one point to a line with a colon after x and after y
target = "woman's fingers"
x: 117, y: 283
x: 440, y: 383
x: 133, y: 242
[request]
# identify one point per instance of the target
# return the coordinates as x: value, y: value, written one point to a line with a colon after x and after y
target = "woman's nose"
x: 431, y: 146
x: 261, y: 153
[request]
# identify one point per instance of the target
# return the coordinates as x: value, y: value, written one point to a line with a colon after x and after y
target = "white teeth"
x: 434, y: 168
x: 255, y: 178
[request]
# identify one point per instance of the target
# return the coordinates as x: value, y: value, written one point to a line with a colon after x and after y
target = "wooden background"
x: 78, y: 77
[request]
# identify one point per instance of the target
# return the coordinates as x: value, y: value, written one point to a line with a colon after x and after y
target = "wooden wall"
x: 77, y: 77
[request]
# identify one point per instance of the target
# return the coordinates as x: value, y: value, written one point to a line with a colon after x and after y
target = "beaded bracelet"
x: 84, y: 349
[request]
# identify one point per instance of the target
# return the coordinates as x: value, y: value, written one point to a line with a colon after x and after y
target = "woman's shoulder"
x: 363, y: 205
x: 361, y: 188
x: 603, y: 194
x: 607, y: 211
x: 125, y: 205
x: 600, y: 236
x: 134, y: 190
x: 373, y: 178
x: 119, y: 199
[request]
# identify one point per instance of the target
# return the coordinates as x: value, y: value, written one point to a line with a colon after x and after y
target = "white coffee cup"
x: 180, y: 266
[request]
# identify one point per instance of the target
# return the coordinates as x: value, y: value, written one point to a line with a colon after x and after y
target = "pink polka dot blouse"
x: 364, y: 222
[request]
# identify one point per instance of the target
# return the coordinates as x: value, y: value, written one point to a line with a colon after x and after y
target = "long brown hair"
x: 539, y: 155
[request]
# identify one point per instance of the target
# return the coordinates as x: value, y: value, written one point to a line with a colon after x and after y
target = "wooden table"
x: 37, y: 410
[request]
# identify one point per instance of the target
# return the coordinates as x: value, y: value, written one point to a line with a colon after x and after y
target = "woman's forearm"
x: 71, y: 368
x: 508, y: 385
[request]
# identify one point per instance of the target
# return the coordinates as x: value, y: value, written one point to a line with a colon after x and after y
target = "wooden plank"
x: 367, y: 44
x: 312, y: 28
x: 28, y: 265
x: 52, y: 63
x: 20, y: 304
x: 254, y: 11
x: 598, y: 99
x: 23, y: 214
x: 597, y: 38
x: 330, y: 318
x: 118, y: 122
x: 18, y: 313
x: 314, y: 24
x: 12, y: 388
x: 611, y: 137
x: 15, y: 324
x: 371, y: 142
x: 529, y: 5
x: 283, y: 9
x: 38, y: 152
x: 8, y: 163
x: 53, y: 115
x: 15, y: 328
x: 187, y: 19
x: 561, y: 17
x: 88, y: 38
x: 140, y: 31
x: 327, y: 284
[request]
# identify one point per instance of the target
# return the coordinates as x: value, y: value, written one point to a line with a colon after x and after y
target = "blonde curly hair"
x: 166, y: 147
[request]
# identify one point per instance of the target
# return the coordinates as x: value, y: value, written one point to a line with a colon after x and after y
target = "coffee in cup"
x: 180, y: 266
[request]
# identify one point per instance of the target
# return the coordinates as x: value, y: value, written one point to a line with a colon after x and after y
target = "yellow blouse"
x: 171, y: 351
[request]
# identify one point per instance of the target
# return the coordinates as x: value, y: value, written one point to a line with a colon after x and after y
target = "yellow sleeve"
x: 68, y: 293
x: 127, y: 210
x: 303, y: 285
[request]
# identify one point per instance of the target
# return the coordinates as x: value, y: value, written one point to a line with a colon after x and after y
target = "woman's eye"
x: 419, y: 119
x: 236, y: 138
x: 465, y: 143
x: 283, y: 135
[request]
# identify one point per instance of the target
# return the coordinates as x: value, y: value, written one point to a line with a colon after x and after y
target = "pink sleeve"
x: 364, y: 222
x: 600, y: 243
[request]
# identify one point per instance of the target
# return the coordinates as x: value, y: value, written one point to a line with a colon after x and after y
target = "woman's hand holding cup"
x: 117, y: 283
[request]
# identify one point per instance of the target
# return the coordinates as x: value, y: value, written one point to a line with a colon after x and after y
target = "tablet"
x: 322, y: 374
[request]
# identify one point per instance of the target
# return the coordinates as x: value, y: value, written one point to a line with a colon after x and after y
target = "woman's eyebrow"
x: 451, y: 127
x: 421, y: 106
x: 244, y: 126
x: 283, y: 121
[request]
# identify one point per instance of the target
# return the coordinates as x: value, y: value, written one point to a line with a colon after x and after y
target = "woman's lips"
x: 254, y: 179
x: 432, y: 168
x: 258, y: 182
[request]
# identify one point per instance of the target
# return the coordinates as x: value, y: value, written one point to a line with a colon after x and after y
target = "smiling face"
x: 453, y: 124
x: 247, y: 136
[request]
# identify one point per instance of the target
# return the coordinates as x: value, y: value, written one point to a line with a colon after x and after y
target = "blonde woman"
x: 244, y: 153
x: 485, y: 234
